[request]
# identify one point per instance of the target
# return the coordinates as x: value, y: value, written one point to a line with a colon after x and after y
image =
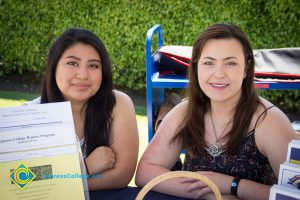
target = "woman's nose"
x: 219, y: 71
x: 82, y: 72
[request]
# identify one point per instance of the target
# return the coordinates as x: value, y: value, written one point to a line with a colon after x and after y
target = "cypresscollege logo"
x: 22, y: 176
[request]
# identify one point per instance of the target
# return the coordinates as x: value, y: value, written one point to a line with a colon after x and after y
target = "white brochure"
x: 39, y: 154
x: 37, y: 128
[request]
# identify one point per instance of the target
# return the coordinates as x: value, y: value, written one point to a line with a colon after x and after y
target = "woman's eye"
x: 94, y: 66
x: 72, y: 63
x: 230, y: 63
x: 208, y: 63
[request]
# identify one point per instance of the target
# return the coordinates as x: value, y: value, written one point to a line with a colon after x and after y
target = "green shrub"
x: 287, y: 100
x: 29, y: 27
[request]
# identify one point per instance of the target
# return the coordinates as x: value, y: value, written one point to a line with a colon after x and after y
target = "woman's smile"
x: 81, y: 86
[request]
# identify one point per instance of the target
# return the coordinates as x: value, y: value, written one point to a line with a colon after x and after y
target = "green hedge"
x: 29, y: 27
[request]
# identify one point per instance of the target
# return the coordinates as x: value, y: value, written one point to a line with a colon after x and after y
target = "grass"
x: 11, y: 98
x: 140, y: 111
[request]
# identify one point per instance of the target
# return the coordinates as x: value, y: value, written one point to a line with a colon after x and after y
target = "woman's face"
x: 79, y: 73
x: 221, y: 69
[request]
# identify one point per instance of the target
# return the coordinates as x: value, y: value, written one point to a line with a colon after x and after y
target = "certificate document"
x: 39, y: 154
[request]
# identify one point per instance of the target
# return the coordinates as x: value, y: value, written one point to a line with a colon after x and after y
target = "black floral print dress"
x: 246, y: 163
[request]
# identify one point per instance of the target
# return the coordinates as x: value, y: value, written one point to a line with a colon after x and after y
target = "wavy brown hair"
x: 191, y: 131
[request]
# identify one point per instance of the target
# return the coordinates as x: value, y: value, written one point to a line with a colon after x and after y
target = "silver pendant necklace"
x: 216, y: 149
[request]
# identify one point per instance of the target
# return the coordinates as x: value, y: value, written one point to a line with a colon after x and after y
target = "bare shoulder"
x: 274, y: 116
x: 123, y: 102
x: 173, y: 120
x: 179, y: 111
x: 273, y: 130
x: 121, y: 96
x: 182, y: 106
x: 274, y: 124
x: 163, y: 142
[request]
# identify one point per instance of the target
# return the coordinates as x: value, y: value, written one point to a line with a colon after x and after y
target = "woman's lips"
x: 219, y: 85
x: 81, y: 86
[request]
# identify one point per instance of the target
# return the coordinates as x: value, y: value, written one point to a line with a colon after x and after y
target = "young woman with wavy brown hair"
x: 228, y: 131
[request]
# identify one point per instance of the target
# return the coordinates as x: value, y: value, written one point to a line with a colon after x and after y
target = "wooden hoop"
x: 177, y: 174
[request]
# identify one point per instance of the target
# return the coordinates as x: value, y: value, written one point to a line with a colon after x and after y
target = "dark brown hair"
x: 192, y: 129
x: 99, y: 107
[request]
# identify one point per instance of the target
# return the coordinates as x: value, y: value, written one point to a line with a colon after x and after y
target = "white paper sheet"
x: 38, y: 129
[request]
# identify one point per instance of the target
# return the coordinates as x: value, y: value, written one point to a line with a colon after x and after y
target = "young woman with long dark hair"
x: 79, y: 70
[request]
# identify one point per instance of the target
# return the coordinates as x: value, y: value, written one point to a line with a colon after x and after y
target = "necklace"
x: 216, y: 149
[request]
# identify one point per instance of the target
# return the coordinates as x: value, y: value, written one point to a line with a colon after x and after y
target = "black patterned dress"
x: 246, y: 163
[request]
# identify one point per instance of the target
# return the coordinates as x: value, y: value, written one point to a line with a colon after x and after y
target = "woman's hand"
x: 198, y: 189
x: 100, y: 160
x: 195, y: 189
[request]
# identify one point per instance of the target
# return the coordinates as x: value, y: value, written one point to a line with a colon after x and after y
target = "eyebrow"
x: 94, y: 60
x: 227, y: 58
x: 90, y: 60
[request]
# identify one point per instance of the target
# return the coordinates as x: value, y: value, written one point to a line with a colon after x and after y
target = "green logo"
x: 22, y: 176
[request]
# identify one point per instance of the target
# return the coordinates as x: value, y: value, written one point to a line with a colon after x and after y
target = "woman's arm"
x: 161, y: 155
x: 124, y: 144
x: 247, y: 190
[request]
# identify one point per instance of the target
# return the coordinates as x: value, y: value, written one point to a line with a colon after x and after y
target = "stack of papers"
x: 39, y: 154
x: 288, y: 187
